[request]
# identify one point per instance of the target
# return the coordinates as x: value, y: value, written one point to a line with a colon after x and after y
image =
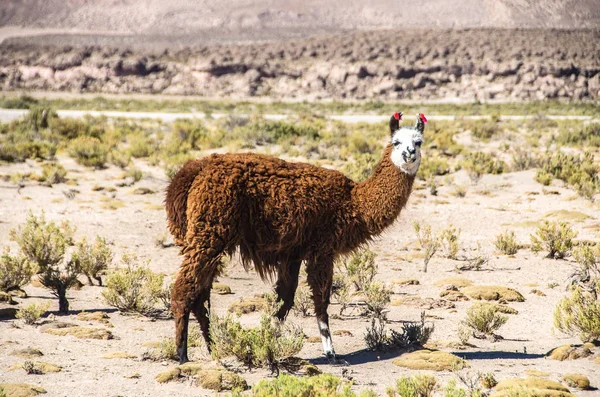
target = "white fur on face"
x: 406, y: 149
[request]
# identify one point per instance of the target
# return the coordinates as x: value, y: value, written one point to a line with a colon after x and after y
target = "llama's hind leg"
x: 320, y: 278
x: 182, y: 317
x: 201, y: 310
x: 287, y: 283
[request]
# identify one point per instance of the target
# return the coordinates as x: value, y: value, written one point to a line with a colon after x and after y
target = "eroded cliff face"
x: 385, y: 65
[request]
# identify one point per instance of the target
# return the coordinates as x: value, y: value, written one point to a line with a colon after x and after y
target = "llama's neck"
x: 379, y: 199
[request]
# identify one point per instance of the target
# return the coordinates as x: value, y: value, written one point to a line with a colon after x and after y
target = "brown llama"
x: 279, y: 214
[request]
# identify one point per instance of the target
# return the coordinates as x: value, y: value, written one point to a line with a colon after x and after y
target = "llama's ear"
x: 421, y: 120
x: 395, y: 122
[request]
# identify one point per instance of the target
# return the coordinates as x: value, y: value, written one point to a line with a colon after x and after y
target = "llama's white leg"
x: 326, y: 339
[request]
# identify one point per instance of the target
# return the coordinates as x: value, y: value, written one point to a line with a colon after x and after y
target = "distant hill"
x: 187, y: 22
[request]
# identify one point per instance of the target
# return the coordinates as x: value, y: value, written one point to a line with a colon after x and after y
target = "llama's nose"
x: 409, y: 155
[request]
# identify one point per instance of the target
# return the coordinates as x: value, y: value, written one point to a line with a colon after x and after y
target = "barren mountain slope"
x: 268, y: 19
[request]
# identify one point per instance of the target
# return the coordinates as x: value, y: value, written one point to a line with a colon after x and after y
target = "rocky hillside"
x: 418, y: 64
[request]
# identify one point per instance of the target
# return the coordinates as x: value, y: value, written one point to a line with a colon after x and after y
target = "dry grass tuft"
x: 81, y: 332
x: 21, y: 390
x: 247, y: 305
x: 39, y: 366
x: 433, y: 360
x: 493, y: 293
x: 118, y: 355
x: 577, y: 380
x: 531, y: 387
x: 459, y: 282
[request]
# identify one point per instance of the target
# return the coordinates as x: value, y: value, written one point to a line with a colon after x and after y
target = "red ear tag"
x: 397, y: 116
x: 423, y: 117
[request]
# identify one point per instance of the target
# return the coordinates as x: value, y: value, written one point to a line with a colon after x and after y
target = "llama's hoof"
x: 335, y: 360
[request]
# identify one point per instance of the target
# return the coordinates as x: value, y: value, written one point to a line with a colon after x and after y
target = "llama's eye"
x: 396, y: 143
x: 418, y: 143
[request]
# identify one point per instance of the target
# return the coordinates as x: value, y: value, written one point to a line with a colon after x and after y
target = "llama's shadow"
x: 365, y: 356
x: 495, y: 355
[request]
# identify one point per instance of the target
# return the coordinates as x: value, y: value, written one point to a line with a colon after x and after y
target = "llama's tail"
x: 176, y: 198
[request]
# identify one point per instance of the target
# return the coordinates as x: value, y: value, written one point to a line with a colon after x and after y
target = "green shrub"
x: 429, y: 242
x: 44, y: 243
x: 15, y: 271
x: 414, y: 386
x: 579, y: 172
x: 478, y: 163
x: 523, y: 159
x: 32, y: 312
x: 588, y: 261
x: 377, y: 298
x: 89, y: 151
x: 484, y: 129
x: 303, y: 301
x: 555, y: 237
x: 411, y: 335
x: 186, y: 135
x: 484, y: 319
x: 141, y: 146
x: 263, y: 132
x: 120, y: 158
x: 579, y: 313
x: 361, y: 268
x: 22, y: 102
x: 313, y: 386
x: 135, y: 174
x: 133, y: 288
x: 432, y: 166
x: 507, y: 243
x: 449, y: 241
x: 587, y: 135
x: 93, y: 260
x: 340, y: 290
x: 68, y: 128
x: 451, y: 390
x: 54, y: 173
x: 39, y: 118
x: 269, y: 345
x: 361, y: 167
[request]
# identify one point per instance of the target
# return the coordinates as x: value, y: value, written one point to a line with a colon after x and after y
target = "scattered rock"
x: 118, y: 355
x: 424, y: 303
x: 433, y: 360
x: 221, y: 289
x: 571, y: 352
x: 460, y: 282
x: 247, y: 305
x: 168, y: 376
x: 453, y: 296
x: 342, y: 332
x: 407, y: 281
x: 531, y: 387
x: 21, y: 390
x: 42, y: 367
x: 493, y: 293
x: 27, y: 353
x: 6, y: 298
x: 143, y: 191
x: 81, y: 332
x: 577, y: 380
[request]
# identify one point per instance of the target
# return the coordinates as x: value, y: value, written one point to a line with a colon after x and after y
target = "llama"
x: 279, y: 214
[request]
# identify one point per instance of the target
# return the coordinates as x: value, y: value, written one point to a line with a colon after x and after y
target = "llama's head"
x: 406, y: 143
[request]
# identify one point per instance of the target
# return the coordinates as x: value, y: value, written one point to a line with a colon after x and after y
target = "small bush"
x: 361, y: 268
x: 134, y: 288
x: 449, y: 241
x: 361, y: 167
x: 377, y: 298
x: 135, y: 174
x: 303, y: 301
x: 32, y: 312
x: 428, y: 241
x: 554, y: 237
x: 376, y: 337
x: 478, y: 163
x: 579, y: 313
x: 311, y: 386
x: 579, y: 172
x: 53, y: 173
x: 587, y: 135
x: 414, y: 386
x: 522, y: 160
x: 432, y: 166
x: 340, y: 290
x: 89, y: 151
x: 68, y: 128
x: 93, y: 260
x: 507, y: 243
x: 44, y: 243
x: 484, y: 319
x: 268, y: 345
x: 15, y: 271
x: 119, y: 158
x: 588, y: 261
x: 411, y: 335
x: 452, y: 390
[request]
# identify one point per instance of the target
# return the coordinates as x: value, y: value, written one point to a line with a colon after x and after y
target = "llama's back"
x: 280, y: 206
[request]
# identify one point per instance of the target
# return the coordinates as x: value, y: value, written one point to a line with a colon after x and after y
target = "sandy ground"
x: 510, y: 201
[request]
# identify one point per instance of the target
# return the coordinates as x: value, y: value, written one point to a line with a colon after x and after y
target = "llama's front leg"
x: 287, y: 283
x: 320, y: 277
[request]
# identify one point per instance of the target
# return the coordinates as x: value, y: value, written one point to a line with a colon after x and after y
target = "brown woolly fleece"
x: 278, y: 214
